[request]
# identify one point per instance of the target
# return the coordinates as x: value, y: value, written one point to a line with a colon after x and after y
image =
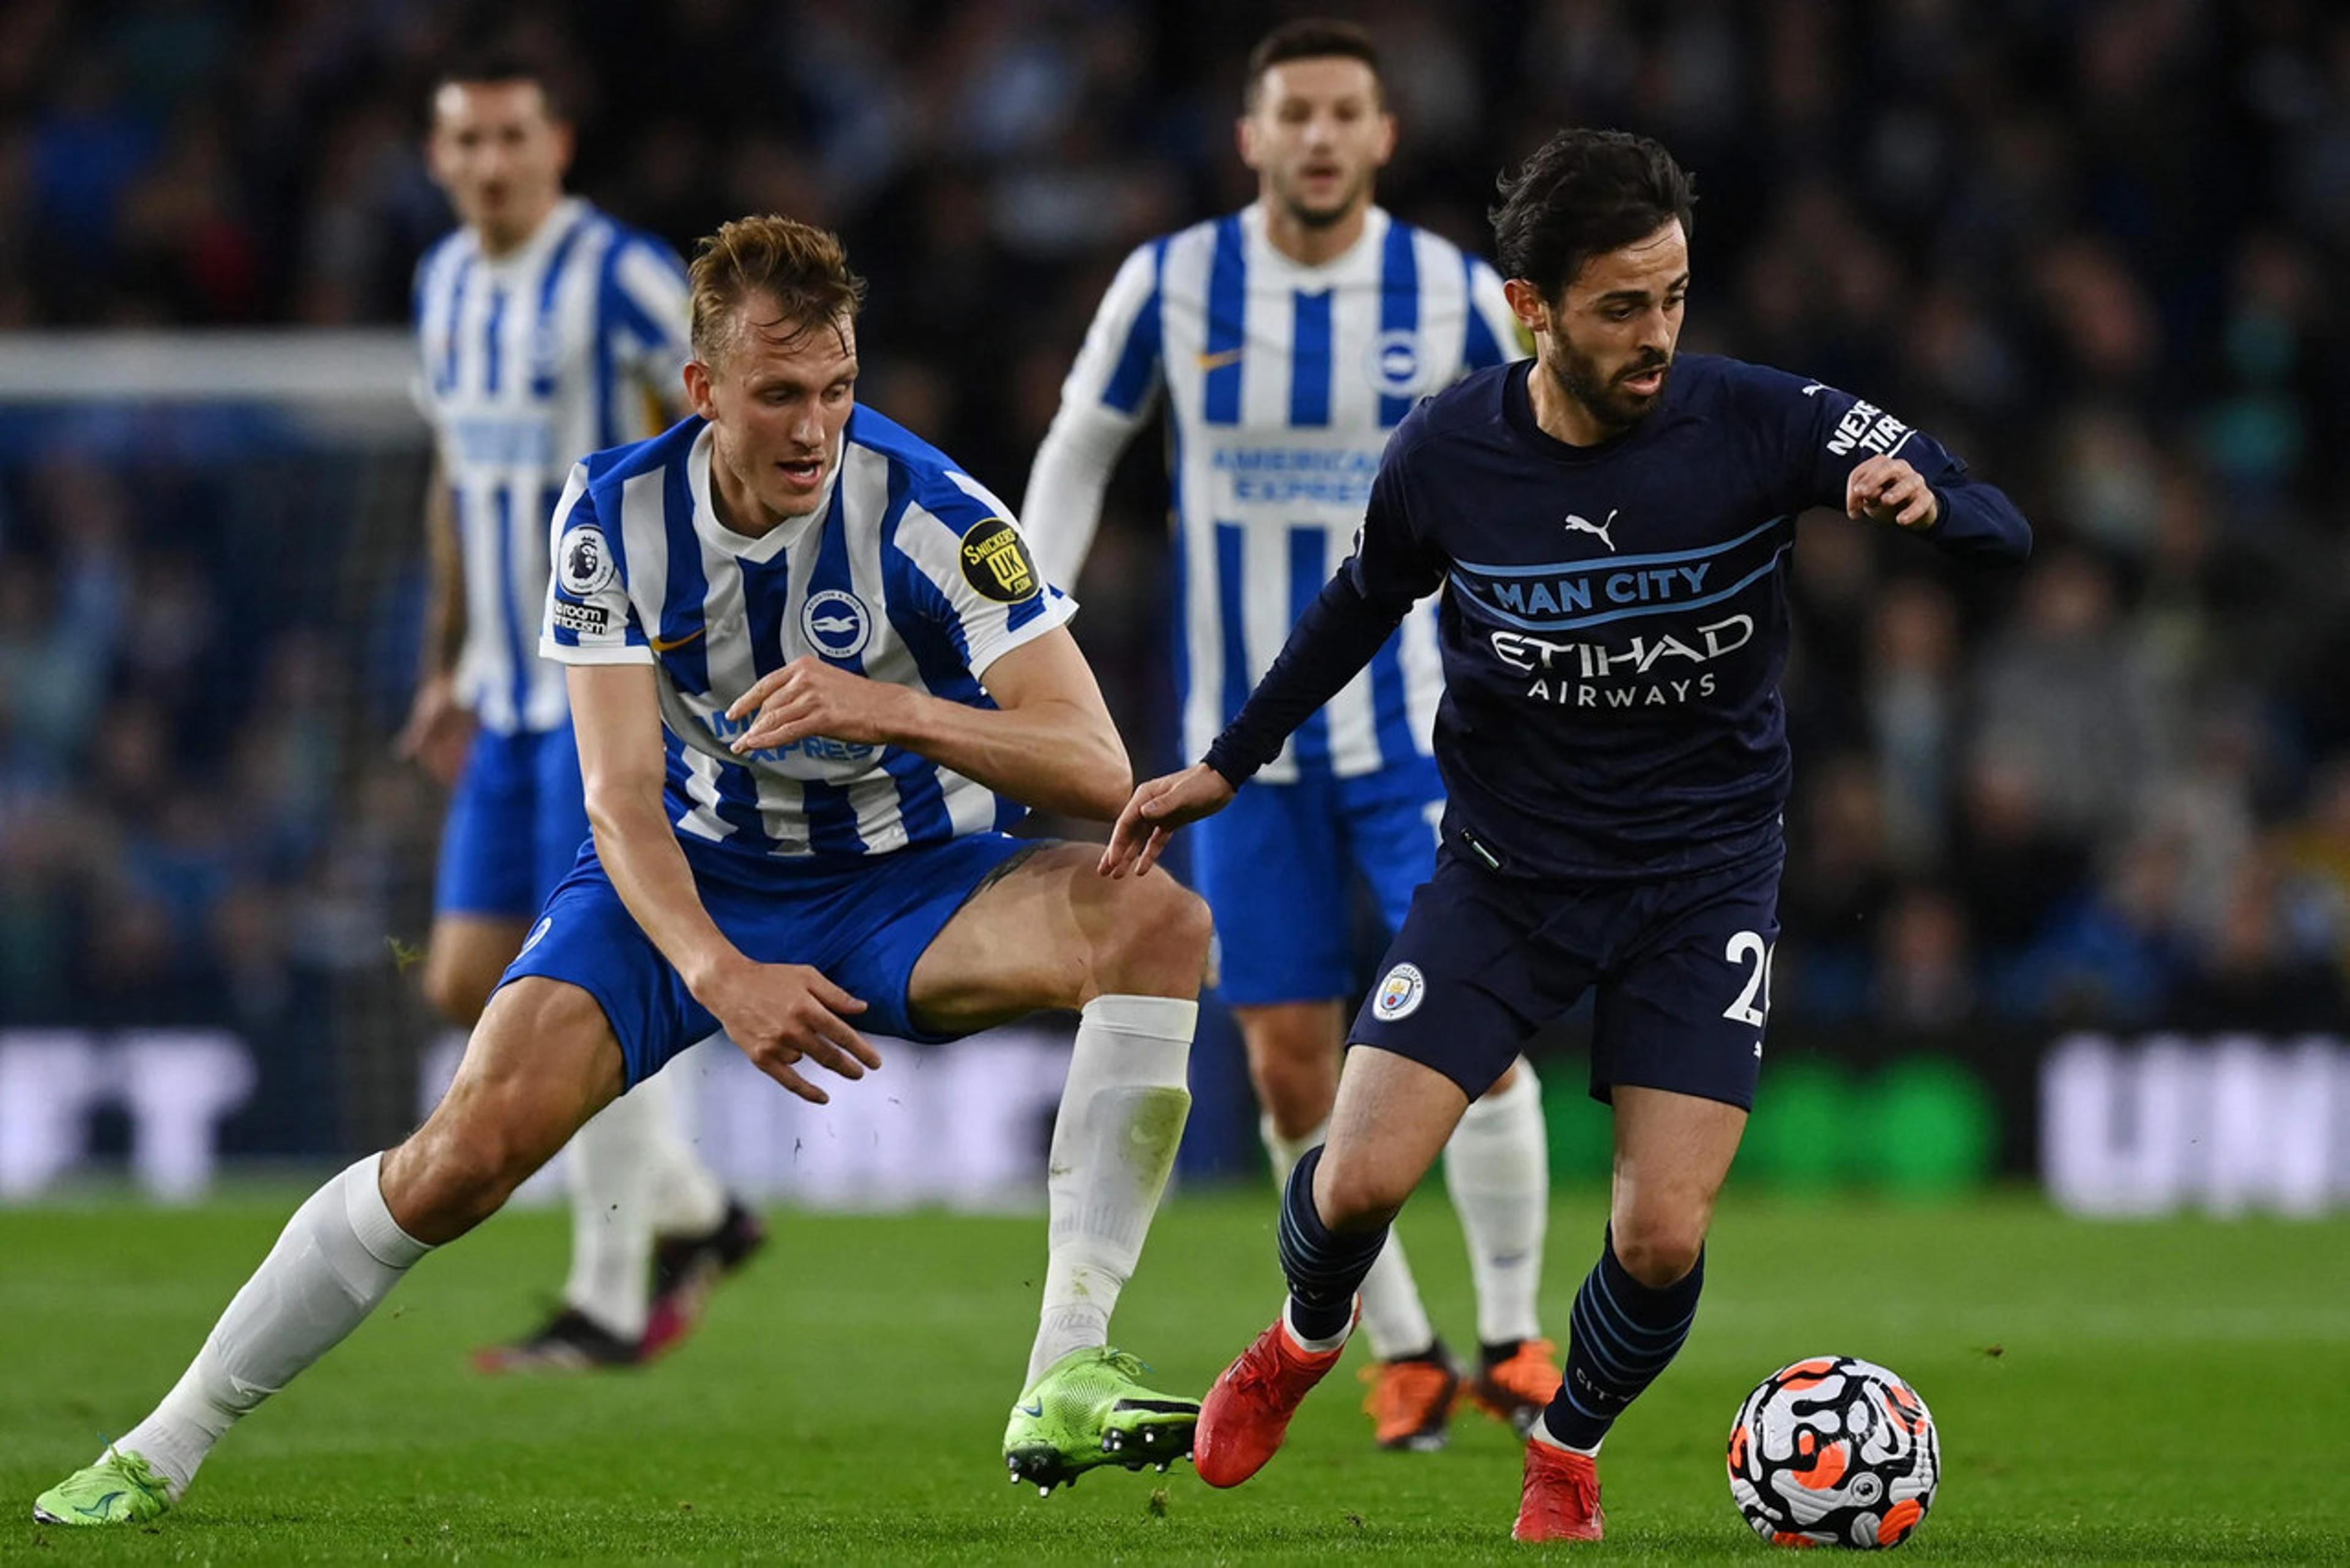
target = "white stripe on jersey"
x: 892, y: 577
x: 527, y: 362
x: 1283, y: 383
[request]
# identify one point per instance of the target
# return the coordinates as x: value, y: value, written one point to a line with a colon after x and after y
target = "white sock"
x: 613, y: 1174
x: 1114, y: 1142
x: 336, y: 1258
x: 688, y: 1199
x: 1393, y: 1318
x: 1541, y: 1434
x: 1497, y: 1168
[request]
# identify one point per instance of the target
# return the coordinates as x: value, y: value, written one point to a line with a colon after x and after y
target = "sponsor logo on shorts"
x: 1399, y: 993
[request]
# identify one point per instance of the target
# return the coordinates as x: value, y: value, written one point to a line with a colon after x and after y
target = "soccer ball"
x: 1833, y: 1451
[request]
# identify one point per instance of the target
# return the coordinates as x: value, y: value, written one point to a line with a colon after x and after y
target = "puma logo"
x: 1586, y: 525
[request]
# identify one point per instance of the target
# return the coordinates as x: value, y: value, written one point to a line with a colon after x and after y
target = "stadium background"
x: 2094, y: 246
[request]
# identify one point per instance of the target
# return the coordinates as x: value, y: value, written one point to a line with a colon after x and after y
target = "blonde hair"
x: 801, y: 267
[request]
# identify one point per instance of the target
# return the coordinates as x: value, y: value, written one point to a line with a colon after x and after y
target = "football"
x: 1833, y: 1451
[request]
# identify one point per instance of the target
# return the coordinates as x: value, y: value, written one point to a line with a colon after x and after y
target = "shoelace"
x: 135, y: 1470
x: 1258, y: 1367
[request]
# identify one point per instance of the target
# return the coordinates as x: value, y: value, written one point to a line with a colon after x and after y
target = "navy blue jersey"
x: 1615, y: 620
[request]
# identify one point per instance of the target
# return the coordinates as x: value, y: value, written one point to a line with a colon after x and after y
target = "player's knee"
x: 1658, y: 1249
x: 1158, y: 946
x: 445, y: 1180
x: 1358, y: 1195
x: 1296, y: 1090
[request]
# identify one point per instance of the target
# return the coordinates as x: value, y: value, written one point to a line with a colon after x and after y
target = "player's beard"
x: 1312, y: 217
x: 1603, y: 397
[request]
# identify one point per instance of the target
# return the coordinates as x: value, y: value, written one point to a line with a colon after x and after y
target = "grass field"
x: 2176, y: 1392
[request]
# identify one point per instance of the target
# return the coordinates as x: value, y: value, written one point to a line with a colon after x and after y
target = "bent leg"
x: 1294, y: 1050
x: 1392, y: 1118
x: 540, y: 1064
x: 1051, y: 933
x: 1635, y: 1309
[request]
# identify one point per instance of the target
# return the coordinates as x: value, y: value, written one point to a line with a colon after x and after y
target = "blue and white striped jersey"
x: 910, y: 572
x: 570, y: 344
x: 1283, y: 382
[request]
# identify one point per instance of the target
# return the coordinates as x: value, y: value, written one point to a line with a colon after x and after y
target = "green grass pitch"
x: 2155, y: 1392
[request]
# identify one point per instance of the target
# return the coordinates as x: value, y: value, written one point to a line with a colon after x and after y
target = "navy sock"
x: 1324, y: 1269
x: 1622, y: 1335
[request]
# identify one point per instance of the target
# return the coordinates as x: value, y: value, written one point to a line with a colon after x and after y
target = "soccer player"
x: 1288, y: 340
x: 547, y: 331
x: 815, y: 675
x: 1610, y: 526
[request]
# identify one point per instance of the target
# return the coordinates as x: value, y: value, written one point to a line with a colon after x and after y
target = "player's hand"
x: 1887, y: 490
x: 781, y: 1015
x: 809, y: 697
x: 1157, y: 810
x: 438, y: 731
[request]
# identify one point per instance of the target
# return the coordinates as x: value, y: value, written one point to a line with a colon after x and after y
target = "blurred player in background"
x: 548, y: 331
x: 816, y: 674
x: 1289, y: 338
x: 1611, y: 526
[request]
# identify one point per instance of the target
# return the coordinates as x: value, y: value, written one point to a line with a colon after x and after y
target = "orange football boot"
x: 1409, y: 1402
x: 1519, y: 1389
x: 1560, y: 1499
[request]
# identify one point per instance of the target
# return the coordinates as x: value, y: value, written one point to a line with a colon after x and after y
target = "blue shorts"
x: 1681, y: 968
x: 864, y: 920
x: 1276, y: 865
x: 516, y: 823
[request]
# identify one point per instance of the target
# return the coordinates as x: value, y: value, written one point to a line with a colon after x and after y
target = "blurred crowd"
x: 2094, y: 247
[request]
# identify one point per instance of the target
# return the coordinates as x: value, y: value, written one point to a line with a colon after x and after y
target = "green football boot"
x: 120, y: 1489
x: 1090, y: 1408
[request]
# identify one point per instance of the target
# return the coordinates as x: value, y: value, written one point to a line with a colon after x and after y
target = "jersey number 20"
x: 1754, y: 1000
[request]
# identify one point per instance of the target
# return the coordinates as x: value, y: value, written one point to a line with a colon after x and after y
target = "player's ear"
x: 697, y: 389
x: 1245, y: 138
x: 1527, y: 304
x: 1386, y: 137
x: 567, y: 141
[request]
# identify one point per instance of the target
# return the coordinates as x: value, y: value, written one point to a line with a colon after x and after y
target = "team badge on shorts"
x: 836, y: 623
x: 1399, y: 993
x: 995, y: 562
x: 584, y: 561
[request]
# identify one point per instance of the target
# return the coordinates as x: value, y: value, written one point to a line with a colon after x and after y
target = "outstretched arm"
x: 1954, y: 512
x: 1338, y: 634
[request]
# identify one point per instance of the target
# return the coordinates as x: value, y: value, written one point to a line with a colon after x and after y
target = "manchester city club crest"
x: 1399, y: 993
x: 835, y: 623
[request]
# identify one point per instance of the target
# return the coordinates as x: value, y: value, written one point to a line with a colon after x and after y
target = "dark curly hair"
x: 1581, y: 194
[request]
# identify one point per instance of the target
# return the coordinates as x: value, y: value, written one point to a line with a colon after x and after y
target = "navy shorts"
x: 516, y: 823
x: 1277, y: 866
x: 864, y: 920
x: 1682, y: 966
